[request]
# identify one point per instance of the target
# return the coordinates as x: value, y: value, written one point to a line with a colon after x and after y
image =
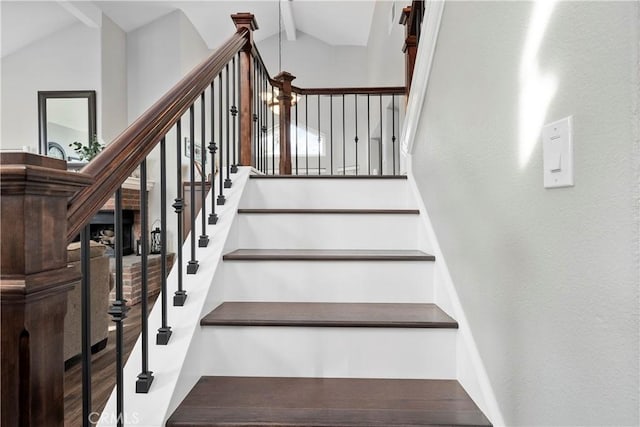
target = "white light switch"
x: 557, y: 149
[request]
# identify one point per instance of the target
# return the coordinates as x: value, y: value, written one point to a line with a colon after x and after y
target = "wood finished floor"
x: 383, y: 315
x: 327, y: 255
x: 327, y: 402
x: 103, y: 371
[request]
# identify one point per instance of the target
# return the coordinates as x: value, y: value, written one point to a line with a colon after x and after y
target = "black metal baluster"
x: 221, y: 199
x: 319, y: 135
x: 393, y: 131
x: 213, y: 217
x: 344, y: 144
x: 296, y: 138
x: 273, y: 132
x: 331, y: 129
x: 85, y: 283
x: 203, y: 241
x: 258, y: 98
x: 145, y: 377
x: 306, y: 133
x: 227, y: 181
x: 254, y: 117
x: 265, y: 107
x: 180, y: 295
x: 355, y: 96
x: 381, y: 136
x: 192, y: 265
x: 164, y: 332
x: 119, y: 309
x: 368, y: 135
x: 256, y: 112
x: 234, y: 113
x: 260, y: 133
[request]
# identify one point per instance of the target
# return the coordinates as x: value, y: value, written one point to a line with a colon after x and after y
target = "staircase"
x: 324, y: 314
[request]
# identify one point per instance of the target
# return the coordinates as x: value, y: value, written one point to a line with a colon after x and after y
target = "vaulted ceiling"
x: 333, y: 22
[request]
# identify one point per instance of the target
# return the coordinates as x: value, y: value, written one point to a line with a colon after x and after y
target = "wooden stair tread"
x: 326, y: 255
x: 332, y: 211
x: 275, y: 401
x: 328, y: 177
x: 321, y: 314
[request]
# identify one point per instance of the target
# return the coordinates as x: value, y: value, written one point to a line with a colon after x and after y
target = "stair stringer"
x: 471, y: 372
x: 177, y: 366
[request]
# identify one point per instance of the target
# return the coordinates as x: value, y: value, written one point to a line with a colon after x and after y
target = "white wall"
x: 113, y: 108
x: 67, y: 60
x: 152, y: 64
x: 385, y: 59
x: 315, y: 63
x: 548, y: 278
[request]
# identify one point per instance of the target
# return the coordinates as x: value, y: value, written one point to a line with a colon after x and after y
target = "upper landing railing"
x: 227, y: 112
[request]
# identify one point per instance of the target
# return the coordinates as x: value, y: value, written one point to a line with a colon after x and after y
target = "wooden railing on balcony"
x: 367, y: 145
x: 44, y: 207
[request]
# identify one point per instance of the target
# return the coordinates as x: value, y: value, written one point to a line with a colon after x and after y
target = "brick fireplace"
x: 132, y: 266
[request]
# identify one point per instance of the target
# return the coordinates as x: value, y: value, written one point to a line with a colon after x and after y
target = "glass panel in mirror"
x: 66, y: 117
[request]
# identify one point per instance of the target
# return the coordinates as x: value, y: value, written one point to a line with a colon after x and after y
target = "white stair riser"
x: 327, y: 194
x: 325, y: 281
x: 330, y: 352
x: 327, y: 231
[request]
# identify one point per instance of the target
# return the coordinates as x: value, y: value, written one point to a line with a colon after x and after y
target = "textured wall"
x: 548, y: 278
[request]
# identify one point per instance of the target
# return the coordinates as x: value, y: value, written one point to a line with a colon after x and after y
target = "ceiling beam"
x: 85, y: 11
x: 287, y: 20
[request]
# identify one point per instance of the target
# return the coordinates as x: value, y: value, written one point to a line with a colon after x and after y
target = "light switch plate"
x: 557, y: 149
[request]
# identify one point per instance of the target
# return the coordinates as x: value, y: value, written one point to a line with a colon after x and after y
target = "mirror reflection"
x: 67, y: 124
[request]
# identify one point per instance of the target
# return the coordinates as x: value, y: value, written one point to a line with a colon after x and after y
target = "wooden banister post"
x: 34, y: 280
x: 410, y: 47
x: 246, y: 20
x: 284, y: 99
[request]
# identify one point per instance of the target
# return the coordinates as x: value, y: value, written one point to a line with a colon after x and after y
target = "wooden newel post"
x: 34, y: 280
x: 284, y: 108
x: 410, y: 47
x: 246, y: 20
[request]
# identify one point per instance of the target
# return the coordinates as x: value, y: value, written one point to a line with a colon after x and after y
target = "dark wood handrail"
x: 390, y: 90
x: 120, y: 158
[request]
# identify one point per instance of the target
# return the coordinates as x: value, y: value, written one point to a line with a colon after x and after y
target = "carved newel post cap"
x: 284, y: 76
x: 245, y: 19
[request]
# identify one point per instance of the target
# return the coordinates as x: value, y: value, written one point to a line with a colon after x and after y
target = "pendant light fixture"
x: 272, y: 99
